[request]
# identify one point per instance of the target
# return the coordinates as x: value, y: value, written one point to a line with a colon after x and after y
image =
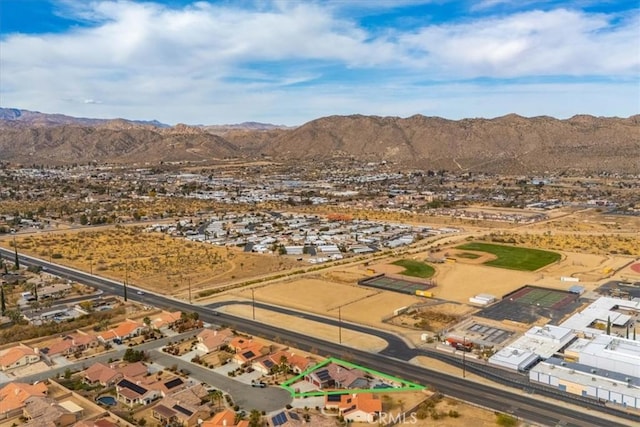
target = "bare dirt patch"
x: 458, y: 282
x: 310, y: 294
x: 433, y: 318
x: 308, y: 327
x: 152, y: 260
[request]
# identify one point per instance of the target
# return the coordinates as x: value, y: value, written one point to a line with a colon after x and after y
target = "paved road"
x: 247, y: 397
x: 504, y: 400
x: 104, y: 358
x: 267, y: 399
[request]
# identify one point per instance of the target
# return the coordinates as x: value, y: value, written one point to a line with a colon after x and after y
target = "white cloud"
x: 208, y: 63
x: 558, y: 42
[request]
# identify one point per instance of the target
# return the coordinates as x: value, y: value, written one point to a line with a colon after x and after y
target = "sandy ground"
x: 458, y: 282
x: 152, y: 260
x: 319, y: 330
x: 309, y: 294
x: 358, y: 304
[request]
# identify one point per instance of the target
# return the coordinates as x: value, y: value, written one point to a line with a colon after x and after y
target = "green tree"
x: 15, y: 316
x: 255, y: 418
x: 506, y: 420
x: 216, y: 396
x: 147, y: 322
x: 131, y: 355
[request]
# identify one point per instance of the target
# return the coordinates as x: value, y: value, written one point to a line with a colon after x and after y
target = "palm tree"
x: 284, y: 365
x: 147, y: 322
x: 216, y: 395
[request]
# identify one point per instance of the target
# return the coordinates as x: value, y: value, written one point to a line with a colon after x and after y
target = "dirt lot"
x: 319, y: 330
x: 395, y: 403
x: 358, y: 304
x: 434, y: 318
x: 151, y: 260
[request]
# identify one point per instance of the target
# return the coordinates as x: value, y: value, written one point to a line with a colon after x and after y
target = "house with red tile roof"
x: 14, y: 395
x: 125, y: 330
x: 212, y: 340
x: 296, y: 362
x: 357, y: 407
x: 144, y: 390
x: 17, y: 356
x: 246, y: 350
x: 44, y: 411
x: 166, y: 319
x: 226, y: 418
x: 132, y: 370
x: 337, y: 376
x: 102, y: 374
x: 183, y: 408
x: 73, y: 343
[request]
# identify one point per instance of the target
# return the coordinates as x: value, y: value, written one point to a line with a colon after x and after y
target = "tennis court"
x: 397, y: 284
x: 529, y: 303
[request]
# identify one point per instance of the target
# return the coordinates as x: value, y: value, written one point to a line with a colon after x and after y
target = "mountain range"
x: 507, y: 144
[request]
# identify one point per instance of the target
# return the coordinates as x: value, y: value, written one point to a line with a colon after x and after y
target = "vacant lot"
x: 415, y: 268
x: 151, y: 260
x: 514, y: 258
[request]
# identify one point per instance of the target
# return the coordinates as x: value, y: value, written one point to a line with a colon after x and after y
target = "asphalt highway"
x: 517, y: 403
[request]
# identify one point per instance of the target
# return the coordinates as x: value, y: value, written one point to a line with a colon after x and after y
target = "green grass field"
x: 467, y: 255
x: 415, y: 268
x: 513, y: 258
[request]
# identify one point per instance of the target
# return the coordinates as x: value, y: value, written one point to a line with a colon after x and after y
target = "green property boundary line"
x: 406, y: 385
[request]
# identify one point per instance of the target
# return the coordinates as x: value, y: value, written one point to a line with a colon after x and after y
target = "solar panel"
x: 248, y: 354
x: 173, y: 383
x: 131, y: 386
x: 279, y: 419
x: 268, y: 363
x: 294, y: 416
x: 333, y: 398
x: 323, y: 374
x: 182, y: 409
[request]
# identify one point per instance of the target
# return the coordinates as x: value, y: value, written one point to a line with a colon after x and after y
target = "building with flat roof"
x: 514, y: 359
x: 613, y: 354
x: 599, y: 313
x: 536, y: 344
x: 587, y: 381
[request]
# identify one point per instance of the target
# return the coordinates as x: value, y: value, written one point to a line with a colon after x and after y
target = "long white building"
x: 587, y: 381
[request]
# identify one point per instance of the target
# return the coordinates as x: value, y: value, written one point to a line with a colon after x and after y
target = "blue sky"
x: 288, y: 61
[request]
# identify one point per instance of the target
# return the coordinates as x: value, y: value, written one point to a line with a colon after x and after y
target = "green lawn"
x: 415, y: 268
x: 467, y: 255
x: 514, y: 258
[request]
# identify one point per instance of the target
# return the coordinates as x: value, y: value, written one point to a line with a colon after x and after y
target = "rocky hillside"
x: 510, y: 144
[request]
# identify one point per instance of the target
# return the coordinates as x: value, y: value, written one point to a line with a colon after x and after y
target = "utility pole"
x: 253, y: 303
x: 126, y: 279
x: 340, y: 324
x: 464, y: 351
x: 15, y: 247
x: 189, y: 290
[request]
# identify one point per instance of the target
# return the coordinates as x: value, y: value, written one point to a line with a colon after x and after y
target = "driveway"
x: 263, y: 399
